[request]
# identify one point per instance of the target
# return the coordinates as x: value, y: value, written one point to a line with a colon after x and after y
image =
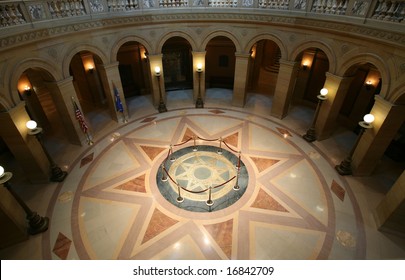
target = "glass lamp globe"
x: 1, y: 171
x: 199, y: 67
x: 157, y: 70
x: 324, y: 92
x: 369, y: 118
x: 31, y: 124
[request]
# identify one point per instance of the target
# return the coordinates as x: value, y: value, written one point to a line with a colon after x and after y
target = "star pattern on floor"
x: 142, y: 227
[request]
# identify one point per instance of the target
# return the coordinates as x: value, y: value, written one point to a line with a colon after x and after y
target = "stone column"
x: 25, y: 148
x: 111, y: 80
x: 156, y: 61
x: 240, y: 82
x: 388, y: 120
x: 390, y: 213
x: 337, y: 89
x: 62, y: 93
x: 284, y: 88
x: 198, y: 78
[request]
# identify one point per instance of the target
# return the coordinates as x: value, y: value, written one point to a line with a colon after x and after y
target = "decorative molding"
x: 361, y: 31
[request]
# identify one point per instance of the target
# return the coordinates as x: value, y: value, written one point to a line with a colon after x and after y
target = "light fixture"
x: 368, y: 85
x: 90, y: 69
x: 199, y: 67
x: 199, y: 102
x: 310, y: 136
x: 305, y: 66
x: 368, y: 119
x: 157, y: 71
x: 27, y: 90
x: 162, y: 106
x: 36, y: 223
x: 33, y: 127
x: 345, y: 167
x: 57, y: 175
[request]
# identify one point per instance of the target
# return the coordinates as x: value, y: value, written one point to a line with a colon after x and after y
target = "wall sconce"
x: 144, y: 55
x: 90, y: 69
x: 27, y: 90
x: 305, y: 66
x: 369, y: 84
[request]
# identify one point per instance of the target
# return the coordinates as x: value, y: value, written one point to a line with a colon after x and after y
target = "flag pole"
x: 82, y: 122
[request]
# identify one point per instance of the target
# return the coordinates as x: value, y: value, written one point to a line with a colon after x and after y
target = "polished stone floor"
x: 295, y: 206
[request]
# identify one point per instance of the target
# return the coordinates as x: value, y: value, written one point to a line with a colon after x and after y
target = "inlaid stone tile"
x: 265, y: 201
x: 188, y: 134
x: 158, y: 224
x: 222, y: 234
x: 135, y: 185
x: 284, y: 131
x: 146, y: 120
x: 263, y: 163
x: 152, y: 152
x: 338, y: 190
x: 87, y: 159
x: 62, y: 246
x: 216, y: 111
x: 232, y: 140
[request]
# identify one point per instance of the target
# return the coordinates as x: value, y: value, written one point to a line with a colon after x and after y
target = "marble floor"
x: 295, y: 206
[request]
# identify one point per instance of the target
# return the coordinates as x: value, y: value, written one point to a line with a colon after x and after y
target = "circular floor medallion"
x: 201, y: 176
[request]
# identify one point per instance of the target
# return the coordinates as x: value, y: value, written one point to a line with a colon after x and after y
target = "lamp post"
x: 36, y: 223
x: 57, y: 175
x: 310, y: 136
x: 345, y: 167
x: 199, y: 103
x: 162, y: 106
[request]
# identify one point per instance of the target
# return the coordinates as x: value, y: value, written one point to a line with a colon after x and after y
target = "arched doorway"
x: 84, y: 68
x: 264, y: 68
x: 133, y: 68
x: 177, y: 64
x: 220, y: 63
x: 366, y: 83
x: 311, y: 76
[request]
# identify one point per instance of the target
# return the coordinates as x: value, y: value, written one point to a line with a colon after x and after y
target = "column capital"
x: 383, y: 102
x: 291, y: 63
x: 242, y: 55
x: 67, y: 80
x: 332, y: 76
x: 111, y: 65
x: 198, y: 53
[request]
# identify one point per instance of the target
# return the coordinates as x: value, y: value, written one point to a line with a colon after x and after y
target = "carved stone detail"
x: 395, y: 38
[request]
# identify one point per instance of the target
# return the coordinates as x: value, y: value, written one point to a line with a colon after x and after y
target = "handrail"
x: 170, y: 152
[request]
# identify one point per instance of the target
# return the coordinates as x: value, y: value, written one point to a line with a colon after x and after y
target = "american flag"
x: 80, y: 118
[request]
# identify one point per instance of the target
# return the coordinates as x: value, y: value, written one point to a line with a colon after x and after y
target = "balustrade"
x: 223, y: 3
x: 10, y: 14
x: 337, y: 7
x: 173, y: 3
x: 389, y: 11
x: 122, y: 5
x: 67, y: 8
x: 274, y: 4
x: 13, y: 13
